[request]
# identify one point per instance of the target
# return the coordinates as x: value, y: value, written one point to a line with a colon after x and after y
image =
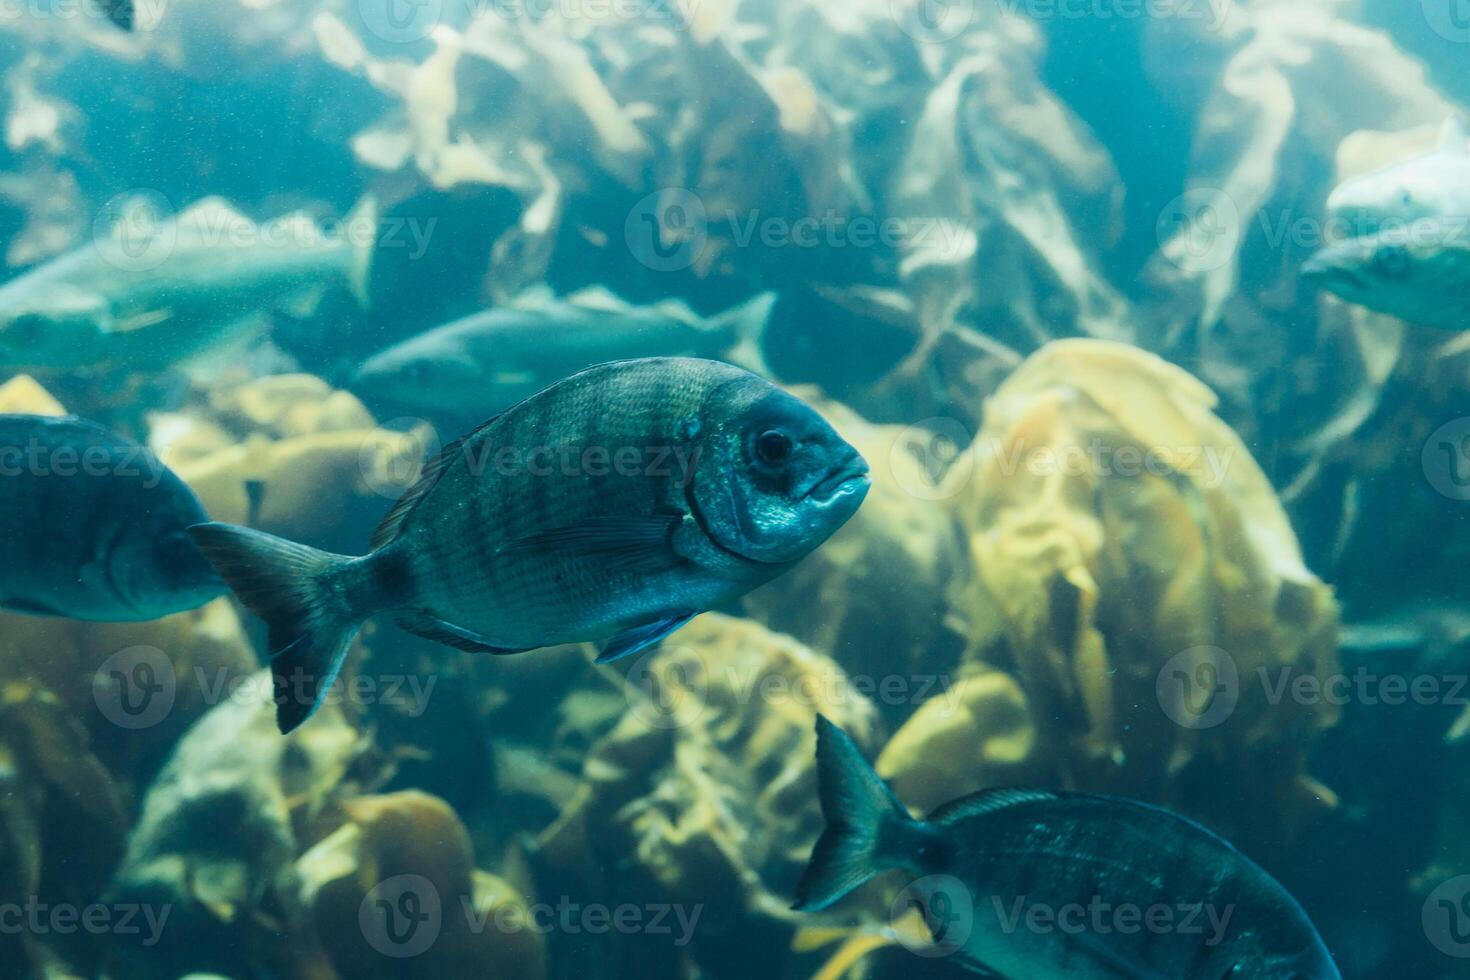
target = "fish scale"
x: 1077, y: 858
x: 636, y: 412
x: 508, y: 542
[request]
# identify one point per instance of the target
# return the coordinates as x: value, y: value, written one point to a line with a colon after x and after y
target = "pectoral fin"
x: 629, y: 642
x: 432, y: 628
x: 142, y: 320
x: 514, y: 379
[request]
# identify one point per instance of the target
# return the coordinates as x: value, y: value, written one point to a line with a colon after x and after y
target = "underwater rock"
x: 703, y: 796
x: 366, y: 470
x: 408, y: 852
x: 978, y: 733
x: 87, y: 710
x: 289, y: 405
x: 24, y: 395
x: 62, y: 823
x: 150, y: 679
x: 220, y: 829
x: 259, y: 453
x: 876, y: 597
x: 1145, y: 586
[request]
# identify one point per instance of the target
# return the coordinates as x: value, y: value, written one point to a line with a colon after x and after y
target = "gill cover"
x: 755, y: 468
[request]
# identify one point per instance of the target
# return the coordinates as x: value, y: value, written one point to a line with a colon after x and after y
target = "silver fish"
x: 614, y: 505
x: 1419, y: 273
x: 485, y: 363
x: 151, y: 290
x: 93, y: 526
x: 1432, y: 185
x: 1033, y: 885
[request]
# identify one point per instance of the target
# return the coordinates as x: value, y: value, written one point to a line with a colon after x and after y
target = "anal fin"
x: 631, y: 641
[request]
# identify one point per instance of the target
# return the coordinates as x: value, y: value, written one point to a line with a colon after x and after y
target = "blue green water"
x: 1154, y: 514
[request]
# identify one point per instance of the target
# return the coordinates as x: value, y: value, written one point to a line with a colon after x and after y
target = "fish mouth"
x: 847, y: 478
x: 1322, y: 269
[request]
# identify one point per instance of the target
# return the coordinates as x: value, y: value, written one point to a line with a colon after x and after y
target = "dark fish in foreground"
x: 616, y: 504
x: 485, y: 363
x: 1033, y: 885
x: 93, y: 526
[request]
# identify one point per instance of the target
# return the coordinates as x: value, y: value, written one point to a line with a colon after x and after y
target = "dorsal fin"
x: 213, y: 215
x: 598, y: 298
x: 429, y: 476
x: 986, y: 801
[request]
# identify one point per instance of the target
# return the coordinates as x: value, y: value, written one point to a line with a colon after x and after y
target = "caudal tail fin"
x: 746, y: 326
x: 859, y: 808
x: 303, y: 595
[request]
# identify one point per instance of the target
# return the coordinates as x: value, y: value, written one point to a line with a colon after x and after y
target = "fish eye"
x: 773, y: 447
x: 1391, y: 260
